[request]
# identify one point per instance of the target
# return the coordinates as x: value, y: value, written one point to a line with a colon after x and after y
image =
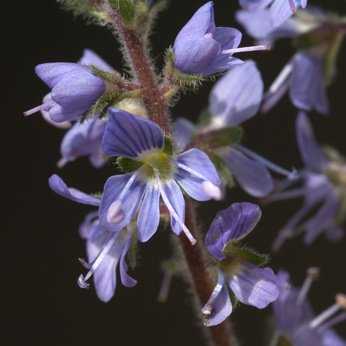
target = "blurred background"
x: 40, y: 245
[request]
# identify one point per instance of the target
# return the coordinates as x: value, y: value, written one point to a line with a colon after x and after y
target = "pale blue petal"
x: 251, y: 175
x: 255, y: 286
x: 125, y: 278
x: 90, y: 58
x: 237, y: 96
x: 59, y: 187
x: 149, y: 213
x: 183, y: 131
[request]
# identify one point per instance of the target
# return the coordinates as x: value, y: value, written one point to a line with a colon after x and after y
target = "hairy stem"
x: 142, y: 69
x: 158, y: 110
x: 222, y: 335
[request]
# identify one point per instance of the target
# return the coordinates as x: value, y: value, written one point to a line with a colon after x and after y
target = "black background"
x: 41, y: 303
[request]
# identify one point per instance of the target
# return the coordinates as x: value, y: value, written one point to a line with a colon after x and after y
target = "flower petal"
x: 219, y: 305
x: 130, y: 135
x: 251, y: 175
x: 308, y: 89
x: 233, y: 223
x: 228, y: 37
x: 237, y: 96
x: 255, y: 286
x: 125, y: 278
x: 90, y: 58
x: 198, y: 176
x: 127, y: 194
x: 176, y: 199
x: 311, y: 152
x: 51, y: 73
x: 83, y: 139
x: 149, y: 213
x: 254, y: 4
x: 183, y: 131
x: 89, y: 225
x: 59, y: 187
x: 105, y: 276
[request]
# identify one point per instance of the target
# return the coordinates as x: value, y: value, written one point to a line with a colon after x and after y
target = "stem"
x: 222, y: 335
x: 158, y: 109
x: 142, y: 69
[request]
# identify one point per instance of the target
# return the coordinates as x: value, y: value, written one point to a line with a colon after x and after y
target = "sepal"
x: 126, y: 164
x: 245, y: 254
x: 283, y: 341
x: 126, y: 8
x: 222, y: 169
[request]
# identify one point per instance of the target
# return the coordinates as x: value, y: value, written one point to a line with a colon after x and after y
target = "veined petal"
x: 198, y: 176
x: 149, y: 213
x: 219, y: 305
x: 130, y: 135
x: 59, y: 187
x: 233, y: 223
x: 255, y: 286
x: 251, y: 175
x: 120, y: 200
x: 90, y: 58
x: 237, y: 96
x: 310, y: 151
x: 281, y: 10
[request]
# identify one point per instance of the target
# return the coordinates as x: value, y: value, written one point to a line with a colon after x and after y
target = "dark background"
x: 41, y: 303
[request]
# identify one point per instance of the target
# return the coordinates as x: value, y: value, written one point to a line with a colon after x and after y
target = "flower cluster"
x: 162, y: 168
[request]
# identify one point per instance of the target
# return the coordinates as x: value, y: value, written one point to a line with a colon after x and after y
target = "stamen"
x: 293, y: 6
x: 281, y: 78
x: 246, y: 49
x: 208, y: 307
x: 312, y: 275
x: 82, y: 280
x: 115, y: 213
x: 62, y: 162
x: 340, y: 303
x: 33, y: 110
x: 334, y: 321
x: 277, y: 89
x: 211, y: 189
x: 175, y: 215
x: 274, y: 167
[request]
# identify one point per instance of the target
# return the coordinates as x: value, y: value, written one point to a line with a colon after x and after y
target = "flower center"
x: 157, y: 162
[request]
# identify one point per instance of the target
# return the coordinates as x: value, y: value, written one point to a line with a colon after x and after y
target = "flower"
x: 204, y: 49
x: 74, y: 88
x: 295, y: 319
x: 318, y: 37
x: 322, y: 180
x: 251, y: 284
x: 304, y: 78
x: 84, y: 139
x: 234, y: 99
x: 269, y: 19
x: 106, y: 251
x: 158, y: 174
